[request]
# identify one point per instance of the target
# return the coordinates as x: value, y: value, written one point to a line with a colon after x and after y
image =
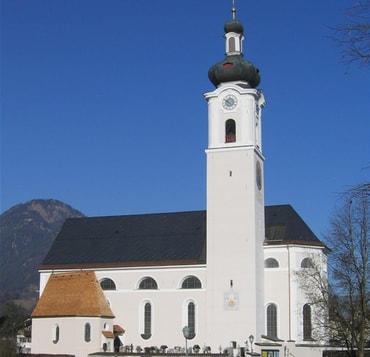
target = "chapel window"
x: 192, y: 282
x: 87, y: 332
x: 271, y: 320
x: 107, y: 284
x: 147, y: 321
x: 307, y: 322
x: 148, y: 283
x: 55, y: 333
x: 271, y: 263
x: 191, y: 320
x: 306, y: 263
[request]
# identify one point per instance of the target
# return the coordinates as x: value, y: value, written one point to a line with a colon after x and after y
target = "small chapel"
x: 219, y: 280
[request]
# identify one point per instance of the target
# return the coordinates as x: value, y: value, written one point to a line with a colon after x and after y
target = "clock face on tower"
x: 229, y: 102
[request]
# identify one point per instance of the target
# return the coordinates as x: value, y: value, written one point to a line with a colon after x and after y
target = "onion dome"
x: 234, y: 67
x: 234, y: 26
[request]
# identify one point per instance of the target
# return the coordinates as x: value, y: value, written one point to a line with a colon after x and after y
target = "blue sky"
x: 102, y: 103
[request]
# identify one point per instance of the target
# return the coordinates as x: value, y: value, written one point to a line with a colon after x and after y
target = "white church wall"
x: 44, y: 277
x: 168, y: 304
x: 277, y: 291
x: 282, y: 285
x: 169, y: 301
x: 317, y: 256
x: 66, y: 335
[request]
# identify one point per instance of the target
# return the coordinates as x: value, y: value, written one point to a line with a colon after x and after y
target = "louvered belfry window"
x: 230, y: 131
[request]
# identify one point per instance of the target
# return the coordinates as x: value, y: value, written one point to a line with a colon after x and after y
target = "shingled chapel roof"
x: 177, y: 238
x: 73, y: 294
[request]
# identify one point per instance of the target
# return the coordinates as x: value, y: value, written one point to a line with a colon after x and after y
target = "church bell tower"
x: 235, y: 197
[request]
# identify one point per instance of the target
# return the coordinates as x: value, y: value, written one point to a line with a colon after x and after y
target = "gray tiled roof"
x: 165, y: 238
x: 283, y: 225
x: 156, y: 239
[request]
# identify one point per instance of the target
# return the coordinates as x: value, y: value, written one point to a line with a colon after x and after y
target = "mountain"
x: 26, y: 233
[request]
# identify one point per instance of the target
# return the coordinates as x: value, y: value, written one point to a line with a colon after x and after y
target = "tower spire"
x: 234, y: 67
x: 233, y: 10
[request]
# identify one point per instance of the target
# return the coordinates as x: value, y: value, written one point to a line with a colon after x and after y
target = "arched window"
x: 271, y: 263
x: 147, y: 321
x: 307, y: 323
x: 230, y: 131
x: 191, y: 320
x: 107, y: 284
x: 306, y: 263
x: 55, y: 333
x: 87, y: 332
x: 148, y: 283
x: 231, y: 44
x: 271, y: 320
x: 192, y: 282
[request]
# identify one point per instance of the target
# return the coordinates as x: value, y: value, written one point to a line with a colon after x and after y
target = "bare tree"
x: 314, y: 282
x: 351, y: 266
x: 345, y: 296
x: 353, y: 36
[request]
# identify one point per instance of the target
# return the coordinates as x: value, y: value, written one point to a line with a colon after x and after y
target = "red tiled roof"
x: 118, y: 329
x: 73, y: 294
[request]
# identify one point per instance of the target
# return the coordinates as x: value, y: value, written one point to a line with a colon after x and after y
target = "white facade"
x: 65, y: 335
x: 168, y: 304
x: 283, y: 288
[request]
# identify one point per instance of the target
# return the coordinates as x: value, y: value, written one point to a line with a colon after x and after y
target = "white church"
x: 219, y: 280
